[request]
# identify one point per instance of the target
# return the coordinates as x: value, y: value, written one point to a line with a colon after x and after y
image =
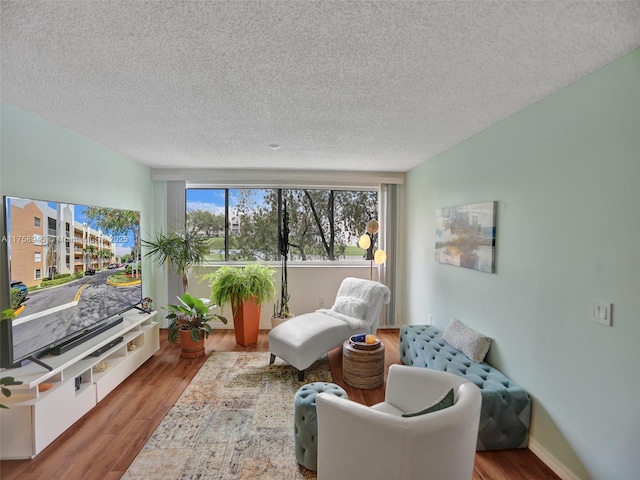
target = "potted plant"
x: 7, y: 314
x: 281, y: 312
x: 180, y: 250
x: 245, y: 289
x: 190, y: 324
x: 7, y: 382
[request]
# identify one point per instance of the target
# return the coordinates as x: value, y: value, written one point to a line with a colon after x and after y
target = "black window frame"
x: 226, y: 257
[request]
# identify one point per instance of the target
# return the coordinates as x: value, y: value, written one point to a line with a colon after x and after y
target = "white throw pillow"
x: 350, y: 306
x: 461, y: 337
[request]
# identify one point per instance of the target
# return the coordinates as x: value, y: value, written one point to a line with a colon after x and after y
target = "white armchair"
x: 378, y: 443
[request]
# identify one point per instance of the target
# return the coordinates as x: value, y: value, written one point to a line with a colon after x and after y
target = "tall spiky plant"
x: 180, y: 250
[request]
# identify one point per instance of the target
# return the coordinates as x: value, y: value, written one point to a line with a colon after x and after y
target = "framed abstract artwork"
x: 466, y: 236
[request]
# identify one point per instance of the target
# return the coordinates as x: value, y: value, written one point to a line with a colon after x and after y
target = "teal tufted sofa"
x: 506, y: 407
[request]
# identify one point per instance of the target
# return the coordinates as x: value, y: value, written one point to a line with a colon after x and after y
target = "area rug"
x: 233, y: 421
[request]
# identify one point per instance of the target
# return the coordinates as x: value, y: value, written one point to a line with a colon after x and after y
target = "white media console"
x: 36, y: 418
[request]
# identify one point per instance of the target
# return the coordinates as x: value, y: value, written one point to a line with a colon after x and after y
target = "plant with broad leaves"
x: 192, y: 314
x: 7, y: 381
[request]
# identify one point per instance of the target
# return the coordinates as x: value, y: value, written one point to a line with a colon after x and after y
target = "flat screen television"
x: 72, y: 270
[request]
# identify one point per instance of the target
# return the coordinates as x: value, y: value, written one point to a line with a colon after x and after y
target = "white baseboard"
x: 550, y: 461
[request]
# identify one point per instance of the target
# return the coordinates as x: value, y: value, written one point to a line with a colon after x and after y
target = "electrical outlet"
x: 601, y: 312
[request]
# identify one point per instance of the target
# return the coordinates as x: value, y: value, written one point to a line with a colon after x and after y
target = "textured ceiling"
x: 340, y: 85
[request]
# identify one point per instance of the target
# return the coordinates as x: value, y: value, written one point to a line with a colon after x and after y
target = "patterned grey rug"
x: 233, y: 421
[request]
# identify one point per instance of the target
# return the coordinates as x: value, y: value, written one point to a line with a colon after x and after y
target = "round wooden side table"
x: 362, y: 368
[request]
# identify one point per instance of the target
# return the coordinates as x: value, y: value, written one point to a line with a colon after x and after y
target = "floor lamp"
x: 366, y: 242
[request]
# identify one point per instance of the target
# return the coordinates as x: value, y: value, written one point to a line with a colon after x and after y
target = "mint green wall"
x: 41, y: 160
x: 566, y: 175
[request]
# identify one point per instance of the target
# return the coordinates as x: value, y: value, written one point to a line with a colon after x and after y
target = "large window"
x: 249, y: 224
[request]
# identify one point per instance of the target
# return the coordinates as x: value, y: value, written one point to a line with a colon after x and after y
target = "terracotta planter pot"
x: 189, y: 348
x: 246, y: 322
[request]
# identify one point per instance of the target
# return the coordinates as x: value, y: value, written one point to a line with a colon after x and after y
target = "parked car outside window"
x: 20, y: 286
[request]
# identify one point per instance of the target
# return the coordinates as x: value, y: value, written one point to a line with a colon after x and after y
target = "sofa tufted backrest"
x: 428, y: 349
x: 506, y: 406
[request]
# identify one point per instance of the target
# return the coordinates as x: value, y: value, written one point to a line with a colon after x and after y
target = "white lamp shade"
x: 380, y: 257
x: 364, y: 241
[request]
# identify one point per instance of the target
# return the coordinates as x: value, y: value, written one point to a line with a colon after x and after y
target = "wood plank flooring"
x: 105, y: 441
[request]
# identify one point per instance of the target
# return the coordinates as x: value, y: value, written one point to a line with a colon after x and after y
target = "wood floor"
x: 105, y: 441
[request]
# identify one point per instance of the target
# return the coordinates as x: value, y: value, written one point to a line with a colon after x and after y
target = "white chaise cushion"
x: 305, y: 338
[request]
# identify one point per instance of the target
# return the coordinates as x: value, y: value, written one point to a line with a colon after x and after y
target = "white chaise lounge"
x: 304, y: 339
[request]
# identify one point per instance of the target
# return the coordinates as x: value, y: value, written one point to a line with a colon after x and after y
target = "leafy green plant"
x: 16, y: 298
x: 179, y: 250
x: 7, y: 381
x: 234, y: 285
x: 5, y: 391
x: 129, y: 268
x: 59, y: 279
x: 191, y: 314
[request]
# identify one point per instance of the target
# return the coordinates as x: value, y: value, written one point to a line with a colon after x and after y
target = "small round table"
x: 362, y: 369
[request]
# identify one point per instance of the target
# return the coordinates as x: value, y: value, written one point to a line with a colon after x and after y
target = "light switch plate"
x: 601, y: 312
